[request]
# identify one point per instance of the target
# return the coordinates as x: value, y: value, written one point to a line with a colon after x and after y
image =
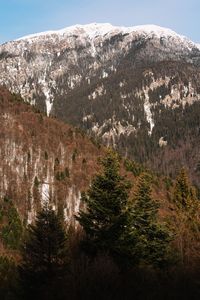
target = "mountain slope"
x: 42, y: 159
x: 128, y: 86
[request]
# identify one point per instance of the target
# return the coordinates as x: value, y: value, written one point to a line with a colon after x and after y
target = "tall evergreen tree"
x: 105, y: 220
x: 44, y: 257
x: 11, y: 229
x: 184, y: 194
x: 187, y: 217
x: 152, y: 237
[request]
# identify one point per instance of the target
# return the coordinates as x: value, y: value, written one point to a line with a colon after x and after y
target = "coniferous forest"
x: 120, y: 247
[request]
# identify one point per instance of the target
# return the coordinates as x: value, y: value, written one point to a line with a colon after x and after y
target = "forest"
x: 121, y: 246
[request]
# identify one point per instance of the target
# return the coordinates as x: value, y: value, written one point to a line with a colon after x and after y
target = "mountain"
x: 42, y: 159
x: 136, y: 88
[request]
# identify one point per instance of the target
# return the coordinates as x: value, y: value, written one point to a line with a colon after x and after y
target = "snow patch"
x: 147, y: 109
x: 122, y: 84
x: 198, y: 46
x: 72, y: 203
x: 105, y: 74
x: 99, y: 91
x: 162, y: 142
x: 45, y: 193
x: 87, y: 118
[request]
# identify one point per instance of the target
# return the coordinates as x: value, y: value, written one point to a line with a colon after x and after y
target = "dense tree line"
x: 122, y: 250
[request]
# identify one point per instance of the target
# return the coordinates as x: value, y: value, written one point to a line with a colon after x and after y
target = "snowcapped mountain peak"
x: 92, y: 30
x: 151, y: 30
x: 53, y: 62
x: 95, y: 30
x: 154, y: 29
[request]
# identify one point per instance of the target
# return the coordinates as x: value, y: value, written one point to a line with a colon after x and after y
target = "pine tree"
x: 152, y: 237
x: 44, y: 257
x: 187, y: 217
x: 184, y: 193
x: 11, y: 229
x: 105, y: 221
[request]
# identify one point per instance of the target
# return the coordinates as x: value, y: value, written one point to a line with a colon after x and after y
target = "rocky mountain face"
x: 137, y: 88
x: 42, y: 160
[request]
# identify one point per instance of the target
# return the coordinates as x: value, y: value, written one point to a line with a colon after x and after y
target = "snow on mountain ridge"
x: 94, y: 30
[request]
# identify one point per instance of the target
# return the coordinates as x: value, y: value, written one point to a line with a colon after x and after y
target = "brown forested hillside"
x: 45, y: 159
x: 42, y: 158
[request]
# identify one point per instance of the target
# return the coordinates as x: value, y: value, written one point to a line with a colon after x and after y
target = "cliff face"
x: 137, y: 88
x: 42, y: 159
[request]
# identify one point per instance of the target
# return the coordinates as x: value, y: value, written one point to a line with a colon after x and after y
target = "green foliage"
x: 184, y: 194
x: 62, y: 175
x: 57, y: 162
x: 67, y: 172
x: 44, y: 257
x: 127, y: 231
x: 197, y: 191
x: 187, y: 219
x: 106, y: 220
x: 152, y: 237
x: 84, y: 161
x: 11, y: 228
x: 36, y: 182
x: 133, y: 167
x: 46, y: 155
x: 74, y: 155
x: 168, y: 183
x: 17, y: 98
x: 28, y: 156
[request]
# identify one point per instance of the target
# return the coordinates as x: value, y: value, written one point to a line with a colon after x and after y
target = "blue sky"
x: 22, y: 17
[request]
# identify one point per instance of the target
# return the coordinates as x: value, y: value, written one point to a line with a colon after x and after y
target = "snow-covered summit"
x: 56, y: 63
x: 94, y: 30
x: 156, y: 30
x: 74, y: 72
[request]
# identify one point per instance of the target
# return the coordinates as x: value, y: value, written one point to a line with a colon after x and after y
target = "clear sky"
x: 22, y: 17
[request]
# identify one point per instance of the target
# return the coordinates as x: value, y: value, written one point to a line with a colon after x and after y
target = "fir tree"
x: 105, y: 221
x: 152, y: 237
x: 11, y: 229
x: 44, y: 257
x: 184, y: 194
x: 187, y: 217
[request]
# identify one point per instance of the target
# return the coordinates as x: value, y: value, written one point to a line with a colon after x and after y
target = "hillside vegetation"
x: 123, y: 223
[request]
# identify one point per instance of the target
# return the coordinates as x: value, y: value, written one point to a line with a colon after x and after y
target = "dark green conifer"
x: 105, y: 221
x: 11, y: 229
x: 152, y: 237
x: 44, y: 257
x: 184, y: 194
